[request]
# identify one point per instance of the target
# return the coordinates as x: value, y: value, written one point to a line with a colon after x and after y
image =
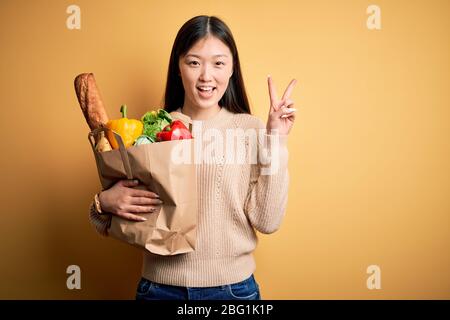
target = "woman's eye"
x: 192, y: 62
x: 220, y: 62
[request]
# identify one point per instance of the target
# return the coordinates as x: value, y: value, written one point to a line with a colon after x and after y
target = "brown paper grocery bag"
x: 173, y: 229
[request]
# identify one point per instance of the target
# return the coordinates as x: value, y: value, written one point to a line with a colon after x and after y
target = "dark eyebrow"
x: 197, y: 56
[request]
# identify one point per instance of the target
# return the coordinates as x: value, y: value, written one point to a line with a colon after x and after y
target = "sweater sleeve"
x: 266, y: 200
x: 101, y: 223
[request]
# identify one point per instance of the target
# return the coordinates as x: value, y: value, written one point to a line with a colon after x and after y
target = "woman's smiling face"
x: 205, y: 72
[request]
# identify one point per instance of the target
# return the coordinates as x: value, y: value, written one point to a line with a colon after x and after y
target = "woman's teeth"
x: 205, y: 92
x: 206, y: 89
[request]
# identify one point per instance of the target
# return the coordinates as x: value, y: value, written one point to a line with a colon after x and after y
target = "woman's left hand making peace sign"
x: 281, y: 112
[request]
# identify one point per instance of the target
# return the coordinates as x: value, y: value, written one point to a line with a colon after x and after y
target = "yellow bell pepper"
x: 128, y: 129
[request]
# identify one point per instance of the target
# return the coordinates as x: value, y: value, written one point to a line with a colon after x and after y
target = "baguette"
x: 90, y: 101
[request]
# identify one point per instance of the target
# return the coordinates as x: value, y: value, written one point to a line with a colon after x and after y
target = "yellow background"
x: 369, y: 152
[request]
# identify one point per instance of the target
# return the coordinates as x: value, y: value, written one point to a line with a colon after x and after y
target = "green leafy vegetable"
x: 154, y: 122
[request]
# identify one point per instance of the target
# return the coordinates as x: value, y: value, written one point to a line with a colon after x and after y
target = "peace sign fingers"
x: 272, y: 93
x: 288, y: 92
x: 282, y: 112
x: 274, y: 101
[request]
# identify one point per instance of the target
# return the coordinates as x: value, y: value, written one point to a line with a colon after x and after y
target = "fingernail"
x: 135, y: 181
x: 268, y: 76
x: 160, y: 202
x: 290, y: 109
x: 143, y: 219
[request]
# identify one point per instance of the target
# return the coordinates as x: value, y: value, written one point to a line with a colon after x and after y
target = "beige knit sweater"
x: 235, y: 199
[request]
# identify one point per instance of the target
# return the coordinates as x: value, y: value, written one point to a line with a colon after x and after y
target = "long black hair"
x: 197, y: 28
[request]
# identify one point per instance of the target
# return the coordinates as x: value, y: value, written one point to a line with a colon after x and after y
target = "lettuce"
x: 155, y: 121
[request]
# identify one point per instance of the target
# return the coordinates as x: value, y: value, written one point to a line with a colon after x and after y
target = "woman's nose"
x: 205, y: 74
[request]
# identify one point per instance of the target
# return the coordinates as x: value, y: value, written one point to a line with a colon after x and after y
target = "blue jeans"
x: 244, y: 290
